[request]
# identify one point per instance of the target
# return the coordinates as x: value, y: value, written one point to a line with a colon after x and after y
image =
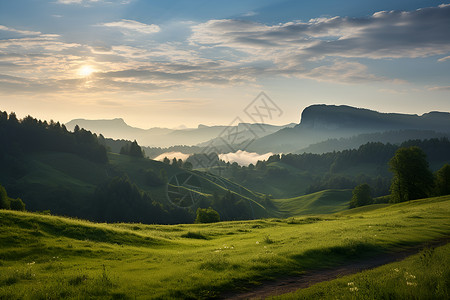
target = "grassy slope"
x: 422, y: 276
x: 323, y: 202
x: 54, y: 257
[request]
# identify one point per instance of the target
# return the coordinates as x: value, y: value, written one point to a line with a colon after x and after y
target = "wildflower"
x: 411, y: 283
x: 354, y: 289
x: 396, y: 270
x: 31, y: 263
x: 257, y: 242
x: 351, y: 284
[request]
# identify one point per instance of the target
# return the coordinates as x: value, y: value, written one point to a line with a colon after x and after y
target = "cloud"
x: 24, y: 32
x: 244, y: 158
x: 131, y: 25
x: 89, y: 2
x: 440, y: 88
x: 386, y: 34
x: 172, y: 155
x: 444, y: 59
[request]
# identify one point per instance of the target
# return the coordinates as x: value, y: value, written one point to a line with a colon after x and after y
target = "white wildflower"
x: 351, y: 284
x: 257, y: 242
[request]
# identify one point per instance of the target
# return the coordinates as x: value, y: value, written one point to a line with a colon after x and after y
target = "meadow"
x: 50, y: 257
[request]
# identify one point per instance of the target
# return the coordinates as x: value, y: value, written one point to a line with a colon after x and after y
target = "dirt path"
x: 292, y: 284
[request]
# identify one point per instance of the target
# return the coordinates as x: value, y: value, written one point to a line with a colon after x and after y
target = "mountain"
x: 322, y: 122
x: 165, y: 137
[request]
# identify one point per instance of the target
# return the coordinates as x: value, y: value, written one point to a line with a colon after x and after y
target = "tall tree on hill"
x: 412, y: 176
x: 132, y: 149
x: 361, y: 195
x: 4, y: 201
x: 442, y: 181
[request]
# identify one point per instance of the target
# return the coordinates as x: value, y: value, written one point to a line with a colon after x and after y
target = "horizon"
x: 178, y: 64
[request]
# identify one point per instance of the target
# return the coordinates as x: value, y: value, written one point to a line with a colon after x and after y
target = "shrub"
x: 17, y: 204
x: 207, y: 215
x: 361, y: 196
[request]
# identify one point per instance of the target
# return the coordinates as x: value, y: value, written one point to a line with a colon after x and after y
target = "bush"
x: 361, y: 196
x: 207, y: 215
x: 17, y: 204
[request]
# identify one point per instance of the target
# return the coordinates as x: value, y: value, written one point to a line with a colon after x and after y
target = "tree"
x: 361, y: 196
x: 4, y: 200
x: 166, y: 160
x: 412, y: 177
x: 132, y: 149
x: 207, y: 215
x: 17, y: 204
x: 442, y: 181
x: 188, y: 165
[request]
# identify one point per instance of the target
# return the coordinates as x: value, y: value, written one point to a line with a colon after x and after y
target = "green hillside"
x: 324, y: 202
x: 54, y: 257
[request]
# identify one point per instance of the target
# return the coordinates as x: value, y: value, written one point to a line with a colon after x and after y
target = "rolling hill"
x: 323, y: 202
x: 55, y: 257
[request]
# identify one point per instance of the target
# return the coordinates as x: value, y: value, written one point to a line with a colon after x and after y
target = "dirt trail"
x: 292, y: 284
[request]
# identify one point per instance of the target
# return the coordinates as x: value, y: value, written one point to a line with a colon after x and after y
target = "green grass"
x: 53, y: 257
x: 422, y: 276
x: 323, y: 202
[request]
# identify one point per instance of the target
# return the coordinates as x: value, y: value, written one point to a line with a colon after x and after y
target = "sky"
x: 171, y: 63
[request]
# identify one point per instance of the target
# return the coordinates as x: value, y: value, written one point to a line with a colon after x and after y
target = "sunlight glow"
x: 86, y: 71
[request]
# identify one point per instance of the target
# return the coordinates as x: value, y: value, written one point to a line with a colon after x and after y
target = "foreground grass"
x: 53, y: 257
x: 422, y: 276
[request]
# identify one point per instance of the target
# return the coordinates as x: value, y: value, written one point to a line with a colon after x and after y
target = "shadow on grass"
x: 194, y: 235
x: 350, y: 250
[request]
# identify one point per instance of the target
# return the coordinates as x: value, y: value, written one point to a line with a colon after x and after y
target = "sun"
x: 86, y: 71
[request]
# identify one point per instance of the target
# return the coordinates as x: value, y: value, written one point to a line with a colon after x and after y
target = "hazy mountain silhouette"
x: 322, y: 122
x: 165, y: 137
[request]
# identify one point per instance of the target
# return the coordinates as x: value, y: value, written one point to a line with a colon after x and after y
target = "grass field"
x: 422, y: 276
x: 52, y: 257
x: 323, y: 202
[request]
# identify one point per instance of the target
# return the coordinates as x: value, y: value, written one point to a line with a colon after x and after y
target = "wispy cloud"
x: 22, y: 32
x: 440, y: 88
x: 89, y: 2
x: 131, y: 25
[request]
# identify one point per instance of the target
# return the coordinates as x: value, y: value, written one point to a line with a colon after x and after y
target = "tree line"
x: 31, y: 135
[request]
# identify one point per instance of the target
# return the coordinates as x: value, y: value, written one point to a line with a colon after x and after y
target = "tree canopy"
x: 412, y: 176
x: 361, y: 196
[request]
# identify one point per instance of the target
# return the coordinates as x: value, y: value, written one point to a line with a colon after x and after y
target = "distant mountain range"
x: 322, y: 122
x: 165, y: 137
x: 322, y: 128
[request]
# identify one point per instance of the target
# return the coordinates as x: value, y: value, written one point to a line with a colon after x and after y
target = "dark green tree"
x: 361, y: 195
x: 442, y: 181
x: 207, y: 215
x: 132, y: 149
x: 166, y: 160
x: 412, y: 176
x: 4, y: 200
x: 17, y: 204
x: 188, y: 165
